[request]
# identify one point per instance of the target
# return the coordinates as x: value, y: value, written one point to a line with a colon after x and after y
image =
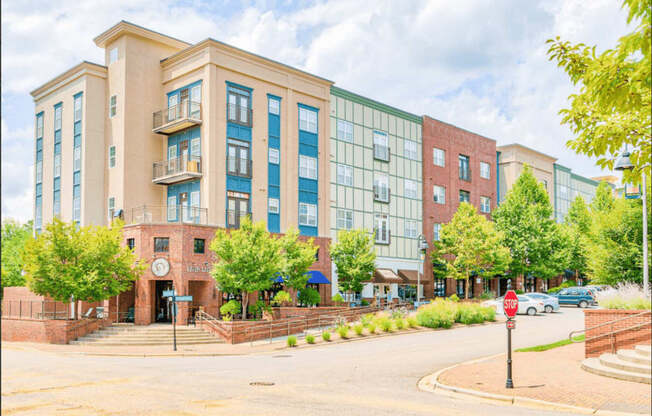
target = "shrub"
x: 519, y: 292
x: 292, y: 341
x: 385, y: 323
x: 568, y: 283
x: 310, y: 339
x: 469, y: 314
x: 399, y: 323
x: 371, y: 327
x: 364, y: 302
x: 326, y: 336
x: 488, y: 295
x: 367, y: 319
x: 412, y: 322
x: 309, y: 296
x: 343, y: 331
x: 624, y: 296
x: 454, y: 297
x: 488, y: 313
x: 358, y: 329
x: 256, y: 310
x: 229, y: 309
x: 439, y: 314
x: 337, y: 299
x: 281, y: 298
x: 398, y: 314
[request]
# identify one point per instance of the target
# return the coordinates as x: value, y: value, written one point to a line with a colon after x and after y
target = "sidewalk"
x: 552, y: 376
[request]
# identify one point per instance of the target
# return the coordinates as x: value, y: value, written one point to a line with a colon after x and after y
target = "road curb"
x: 430, y: 383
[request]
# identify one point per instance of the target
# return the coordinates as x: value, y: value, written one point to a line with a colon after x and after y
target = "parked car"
x: 550, y: 303
x: 578, y: 296
x: 526, y: 305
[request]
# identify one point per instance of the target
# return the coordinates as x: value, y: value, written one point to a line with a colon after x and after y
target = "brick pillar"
x: 519, y: 283
x: 450, y: 286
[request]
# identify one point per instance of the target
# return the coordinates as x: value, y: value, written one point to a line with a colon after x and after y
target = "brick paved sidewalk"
x: 554, y: 376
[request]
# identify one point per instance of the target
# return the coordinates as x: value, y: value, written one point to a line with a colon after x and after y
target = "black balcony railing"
x: 238, y: 167
x: 186, y: 110
x: 465, y: 174
x: 381, y: 194
x: 239, y: 114
x: 381, y: 152
x: 233, y: 218
x: 177, y: 167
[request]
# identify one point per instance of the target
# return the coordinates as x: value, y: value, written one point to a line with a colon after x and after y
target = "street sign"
x: 511, y: 324
x: 183, y: 298
x: 168, y: 293
x: 510, y: 304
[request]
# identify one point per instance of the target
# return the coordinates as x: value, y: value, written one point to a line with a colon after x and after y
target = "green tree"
x: 470, y: 245
x: 354, y: 258
x: 246, y: 259
x: 309, y: 296
x: 576, y: 230
x: 578, y: 215
x: 14, y: 237
x: 603, y: 201
x: 297, y: 256
x: 525, y: 220
x: 85, y: 263
x: 612, y: 108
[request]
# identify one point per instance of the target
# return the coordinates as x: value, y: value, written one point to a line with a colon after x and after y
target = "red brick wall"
x: 454, y: 141
x: 48, y: 331
x: 625, y: 339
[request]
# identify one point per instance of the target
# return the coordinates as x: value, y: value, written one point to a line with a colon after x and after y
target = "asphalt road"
x: 371, y: 377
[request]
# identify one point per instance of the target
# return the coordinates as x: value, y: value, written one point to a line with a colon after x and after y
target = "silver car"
x: 550, y: 303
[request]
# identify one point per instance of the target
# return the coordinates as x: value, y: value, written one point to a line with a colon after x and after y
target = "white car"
x: 526, y: 305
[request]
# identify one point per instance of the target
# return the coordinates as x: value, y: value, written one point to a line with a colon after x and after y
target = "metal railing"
x: 381, y: 152
x: 238, y: 167
x: 201, y: 317
x: 239, y: 114
x: 176, y: 166
x: 612, y: 333
x: 36, y: 309
x: 187, y: 109
x: 382, y: 194
x: 465, y: 174
x: 233, y: 217
x: 159, y: 214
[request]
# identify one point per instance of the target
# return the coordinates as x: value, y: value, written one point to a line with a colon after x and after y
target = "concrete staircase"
x: 155, y: 334
x: 631, y: 365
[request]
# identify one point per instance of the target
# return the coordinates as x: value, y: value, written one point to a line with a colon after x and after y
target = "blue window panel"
x: 274, y: 223
x: 273, y: 174
x: 275, y: 142
x: 309, y: 185
x: 39, y: 144
x: 77, y: 141
x: 39, y: 189
x: 308, y: 150
x: 175, y: 190
x: 239, y: 132
x: 189, y: 86
x: 57, y: 183
x: 76, y: 191
x: 309, y: 231
x: 57, y: 136
x: 308, y: 197
x: 76, y: 178
x: 308, y: 138
x: 274, y: 191
x: 39, y: 156
x: 57, y: 148
x: 234, y: 183
x: 274, y: 125
x: 77, y: 128
x: 186, y: 135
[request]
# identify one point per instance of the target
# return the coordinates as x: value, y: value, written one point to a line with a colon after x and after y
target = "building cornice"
x: 124, y: 27
x: 77, y: 71
x: 348, y: 95
x: 460, y: 128
x: 506, y: 146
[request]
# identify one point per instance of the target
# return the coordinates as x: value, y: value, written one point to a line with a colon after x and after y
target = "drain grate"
x: 261, y: 383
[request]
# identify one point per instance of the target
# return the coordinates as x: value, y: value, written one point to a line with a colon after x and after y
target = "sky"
x: 478, y: 64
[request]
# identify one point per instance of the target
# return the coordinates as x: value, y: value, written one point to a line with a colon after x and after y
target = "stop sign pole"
x: 510, y: 307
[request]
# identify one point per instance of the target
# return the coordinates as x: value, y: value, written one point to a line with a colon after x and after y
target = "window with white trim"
x: 381, y: 228
x: 436, y: 231
x: 410, y: 150
x: 381, y: 187
x: 344, y: 175
x: 172, y: 208
x: 345, y: 131
x: 307, y: 214
x: 485, y: 170
x: 307, y: 167
x: 410, y: 189
x: 307, y: 120
x: 381, y: 147
x: 411, y: 229
x: 77, y: 108
x: 344, y: 219
x: 438, y: 157
x: 57, y: 165
x: 111, y: 208
x: 485, y: 204
x: 274, y: 156
x: 113, y: 106
x: 273, y: 205
x: 439, y: 194
x: 112, y: 156
x: 274, y: 106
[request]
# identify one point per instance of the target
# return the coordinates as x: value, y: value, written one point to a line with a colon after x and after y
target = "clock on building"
x: 160, y: 267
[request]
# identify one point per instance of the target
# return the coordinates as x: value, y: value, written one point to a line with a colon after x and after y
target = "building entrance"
x: 162, y: 310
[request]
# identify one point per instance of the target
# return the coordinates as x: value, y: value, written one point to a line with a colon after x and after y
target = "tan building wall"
x: 511, y: 161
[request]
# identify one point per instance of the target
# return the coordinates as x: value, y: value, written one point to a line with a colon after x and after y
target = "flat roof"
x: 342, y: 93
x: 525, y: 147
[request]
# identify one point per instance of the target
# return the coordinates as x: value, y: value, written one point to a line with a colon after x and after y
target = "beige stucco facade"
x: 511, y: 159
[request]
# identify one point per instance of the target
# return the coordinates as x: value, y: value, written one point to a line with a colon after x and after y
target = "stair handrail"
x: 203, y: 316
x: 570, y: 335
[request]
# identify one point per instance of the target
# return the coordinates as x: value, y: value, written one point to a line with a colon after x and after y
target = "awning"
x: 277, y: 278
x: 317, y: 277
x: 386, y: 276
x: 410, y: 277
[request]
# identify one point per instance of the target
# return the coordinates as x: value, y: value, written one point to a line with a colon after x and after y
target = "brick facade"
x: 454, y: 141
x: 625, y: 339
x: 48, y: 330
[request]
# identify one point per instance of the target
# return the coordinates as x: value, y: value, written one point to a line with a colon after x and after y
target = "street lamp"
x: 423, y: 247
x: 625, y: 164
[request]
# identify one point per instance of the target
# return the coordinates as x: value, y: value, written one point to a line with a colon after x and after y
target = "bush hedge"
x: 444, y: 313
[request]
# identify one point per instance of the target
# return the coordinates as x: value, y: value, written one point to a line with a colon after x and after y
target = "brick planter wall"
x: 48, y: 330
x: 625, y: 339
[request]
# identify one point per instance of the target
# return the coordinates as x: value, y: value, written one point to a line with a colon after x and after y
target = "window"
x: 57, y: 117
x: 308, y: 214
x: 172, y: 208
x: 307, y: 167
x: 307, y: 120
x: 238, y: 162
x: 381, y: 229
x: 436, y: 232
x: 345, y: 131
x: 274, y: 106
x: 111, y: 209
x: 238, y: 110
x: 77, y: 108
x: 381, y: 148
x: 77, y: 158
x: 410, y: 149
x: 381, y: 188
x: 112, y: 156
x: 317, y: 254
x: 485, y: 170
x: 410, y: 189
x: 344, y: 175
x: 57, y: 165
x: 439, y: 194
x: 411, y: 229
x: 39, y: 125
x: 57, y: 203
x: 273, y: 205
x: 485, y: 204
x: 344, y: 219
x: 113, y: 55
x: 460, y: 285
x: 465, y: 170
x: 39, y: 171
x: 237, y: 204
x: 195, y: 149
x: 274, y: 156
x: 131, y: 243
x: 199, y: 245
x: 440, y: 287
x: 438, y: 157
x: 113, y: 106
x: 161, y: 244
x: 464, y: 196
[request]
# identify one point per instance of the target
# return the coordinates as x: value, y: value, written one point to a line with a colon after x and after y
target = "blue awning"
x: 278, y: 278
x: 317, y: 277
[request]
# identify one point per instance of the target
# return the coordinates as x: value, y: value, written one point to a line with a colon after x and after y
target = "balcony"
x: 239, y: 114
x: 166, y: 214
x: 233, y: 218
x: 238, y: 167
x: 177, y: 117
x: 465, y: 174
x: 381, y: 152
x: 175, y: 170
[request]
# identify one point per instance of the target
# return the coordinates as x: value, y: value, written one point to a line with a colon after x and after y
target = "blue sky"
x: 480, y: 65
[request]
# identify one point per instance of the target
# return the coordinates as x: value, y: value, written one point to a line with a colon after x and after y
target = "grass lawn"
x: 547, y: 347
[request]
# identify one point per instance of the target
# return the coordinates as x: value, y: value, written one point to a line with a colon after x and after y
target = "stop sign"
x: 510, y: 304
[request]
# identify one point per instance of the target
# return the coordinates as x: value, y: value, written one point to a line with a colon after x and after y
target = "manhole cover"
x: 261, y: 383
x: 281, y: 356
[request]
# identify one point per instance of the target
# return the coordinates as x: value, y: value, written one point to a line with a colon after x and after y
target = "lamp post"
x: 625, y: 164
x: 423, y: 247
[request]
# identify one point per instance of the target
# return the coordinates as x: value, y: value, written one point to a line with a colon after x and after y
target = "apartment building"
x: 511, y: 159
x: 375, y: 184
x: 569, y: 185
x: 458, y: 166
x: 179, y: 139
